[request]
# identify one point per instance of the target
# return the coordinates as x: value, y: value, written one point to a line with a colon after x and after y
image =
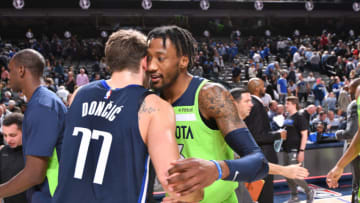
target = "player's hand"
x: 300, y: 156
x: 171, y: 200
x: 333, y: 177
x: 283, y: 134
x: 189, y: 175
x: 295, y: 171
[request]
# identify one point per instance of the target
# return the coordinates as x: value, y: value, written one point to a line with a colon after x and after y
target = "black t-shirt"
x: 11, y: 163
x: 305, y: 114
x: 294, y: 125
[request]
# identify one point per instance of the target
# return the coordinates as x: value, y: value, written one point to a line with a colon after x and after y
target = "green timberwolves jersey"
x: 196, y: 139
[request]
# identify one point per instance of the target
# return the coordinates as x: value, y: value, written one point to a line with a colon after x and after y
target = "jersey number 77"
x: 87, y: 135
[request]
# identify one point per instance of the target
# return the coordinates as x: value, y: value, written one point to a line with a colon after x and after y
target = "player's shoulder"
x: 46, y: 99
x: 154, y: 101
x: 212, y: 90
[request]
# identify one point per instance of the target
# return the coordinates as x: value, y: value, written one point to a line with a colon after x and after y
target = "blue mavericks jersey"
x: 104, y: 159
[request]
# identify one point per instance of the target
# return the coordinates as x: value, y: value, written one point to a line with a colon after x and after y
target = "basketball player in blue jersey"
x: 210, y: 112
x: 112, y: 130
x: 42, y: 130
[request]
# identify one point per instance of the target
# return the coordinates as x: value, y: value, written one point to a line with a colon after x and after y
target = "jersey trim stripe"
x: 186, y: 117
x: 142, y: 197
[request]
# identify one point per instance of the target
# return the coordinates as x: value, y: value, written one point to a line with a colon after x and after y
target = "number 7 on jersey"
x: 87, y: 135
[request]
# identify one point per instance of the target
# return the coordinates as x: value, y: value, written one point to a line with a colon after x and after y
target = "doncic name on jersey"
x: 101, y: 109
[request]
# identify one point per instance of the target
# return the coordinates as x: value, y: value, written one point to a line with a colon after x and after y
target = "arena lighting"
x: 309, y: 5
x: 356, y: 6
x: 268, y: 33
x: 85, y: 4
x: 18, y: 4
x: 146, y: 4
x: 351, y: 33
x: 204, y: 4
x: 29, y: 34
x: 297, y: 33
x: 259, y: 5
x: 206, y: 33
x: 104, y: 34
x: 67, y: 34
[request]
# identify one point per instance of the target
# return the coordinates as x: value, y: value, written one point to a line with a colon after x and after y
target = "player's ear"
x: 184, y: 62
x: 21, y: 71
x: 143, y: 63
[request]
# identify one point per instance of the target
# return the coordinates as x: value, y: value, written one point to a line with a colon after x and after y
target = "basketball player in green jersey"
x: 208, y: 128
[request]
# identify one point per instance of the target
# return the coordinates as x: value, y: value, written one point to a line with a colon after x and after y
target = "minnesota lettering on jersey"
x: 184, y: 132
x: 101, y: 109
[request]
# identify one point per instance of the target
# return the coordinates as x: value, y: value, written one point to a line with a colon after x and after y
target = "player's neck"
x: 124, y: 78
x: 29, y: 88
x: 175, y: 90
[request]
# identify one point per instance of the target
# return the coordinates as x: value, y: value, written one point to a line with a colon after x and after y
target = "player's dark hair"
x: 237, y: 93
x: 182, y: 39
x: 31, y: 60
x: 14, y: 118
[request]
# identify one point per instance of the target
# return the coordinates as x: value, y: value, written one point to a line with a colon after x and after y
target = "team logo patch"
x: 108, y: 94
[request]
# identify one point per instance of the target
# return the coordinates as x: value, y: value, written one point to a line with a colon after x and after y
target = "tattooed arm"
x: 215, y: 102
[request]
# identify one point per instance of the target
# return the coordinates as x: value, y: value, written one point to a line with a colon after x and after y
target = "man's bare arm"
x: 161, y: 143
x: 351, y: 153
x: 290, y: 171
x: 33, y: 174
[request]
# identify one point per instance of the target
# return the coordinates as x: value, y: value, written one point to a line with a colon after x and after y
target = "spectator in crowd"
x: 315, y: 61
x: 198, y: 70
x: 319, y: 92
x: 332, y: 122
x: 12, y: 107
x: 4, y: 74
x: 82, y: 78
x: 2, y: 115
x: 282, y: 87
x: 252, y: 71
x: 307, y: 112
x: 322, y: 118
x: 49, y: 82
x: 292, y: 88
x: 272, y: 109
x: 310, y: 80
x: 292, y: 75
x: 302, y: 89
x: 63, y: 93
x: 330, y: 102
x: 344, y: 98
x: 70, y: 83
x: 266, y: 99
x: 11, y: 155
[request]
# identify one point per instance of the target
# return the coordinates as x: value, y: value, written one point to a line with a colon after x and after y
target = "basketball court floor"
x: 323, y: 194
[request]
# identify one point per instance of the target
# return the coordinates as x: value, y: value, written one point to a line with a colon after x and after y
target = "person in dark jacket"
x: 11, y: 156
x: 259, y: 125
